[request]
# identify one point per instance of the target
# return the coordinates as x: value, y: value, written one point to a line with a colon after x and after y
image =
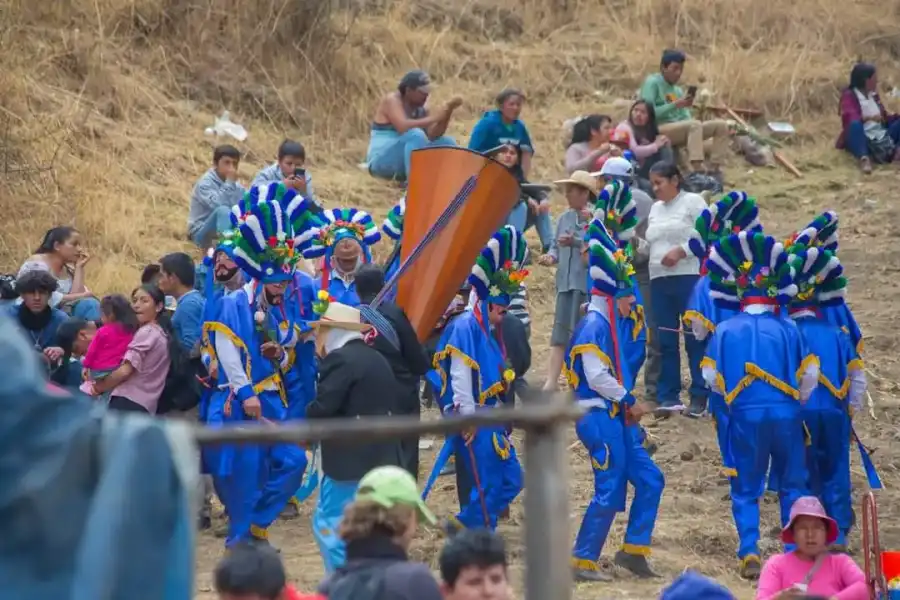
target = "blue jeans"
x: 669, y: 297
x: 858, y: 145
x: 518, y: 218
x: 219, y: 220
x: 334, y: 496
x: 389, y: 159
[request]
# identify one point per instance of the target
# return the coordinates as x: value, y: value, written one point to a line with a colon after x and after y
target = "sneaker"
x: 591, y: 575
x: 865, y: 165
x: 696, y: 409
x: 635, y: 563
x: 750, y: 568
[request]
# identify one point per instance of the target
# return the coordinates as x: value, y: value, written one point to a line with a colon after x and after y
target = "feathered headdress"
x: 750, y: 265
x: 819, y: 276
x: 733, y: 213
x: 619, y: 211
x: 393, y: 224
x: 822, y: 232
x: 336, y: 224
x: 608, y: 265
x: 264, y: 248
x: 498, y: 273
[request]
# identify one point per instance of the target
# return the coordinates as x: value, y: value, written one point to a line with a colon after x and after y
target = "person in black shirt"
x: 397, y: 342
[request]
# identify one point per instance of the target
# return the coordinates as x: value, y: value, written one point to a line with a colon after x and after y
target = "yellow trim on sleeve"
x: 691, y: 315
x: 578, y: 350
x: 222, y: 329
x: 452, y: 352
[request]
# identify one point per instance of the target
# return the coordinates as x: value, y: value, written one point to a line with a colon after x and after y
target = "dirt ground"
x: 695, y: 529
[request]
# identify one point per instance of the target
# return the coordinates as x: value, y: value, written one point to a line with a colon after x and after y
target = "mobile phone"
x: 692, y: 90
x: 299, y: 173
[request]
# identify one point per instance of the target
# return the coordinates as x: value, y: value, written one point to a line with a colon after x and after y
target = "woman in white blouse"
x: 674, y: 271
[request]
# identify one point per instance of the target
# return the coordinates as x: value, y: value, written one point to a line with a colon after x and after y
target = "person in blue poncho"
x: 503, y: 126
x: 342, y: 237
x: 757, y: 360
x: 249, y: 341
x: 599, y: 375
x: 842, y: 384
x: 733, y: 213
x: 473, y: 373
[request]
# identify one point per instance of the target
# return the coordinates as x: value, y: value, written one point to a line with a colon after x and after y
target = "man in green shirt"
x: 674, y: 118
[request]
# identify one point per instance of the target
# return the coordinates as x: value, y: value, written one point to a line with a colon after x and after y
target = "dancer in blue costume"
x: 759, y: 363
x: 842, y: 383
x: 343, y: 237
x: 599, y: 375
x: 254, y: 483
x: 734, y: 213
x: 393, y: 228
x: 474, y: 374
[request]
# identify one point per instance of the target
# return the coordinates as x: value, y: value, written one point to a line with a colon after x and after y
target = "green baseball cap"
x: 389, y: 486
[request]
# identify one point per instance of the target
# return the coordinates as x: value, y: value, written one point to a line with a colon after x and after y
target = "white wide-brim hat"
x: 341, y: 316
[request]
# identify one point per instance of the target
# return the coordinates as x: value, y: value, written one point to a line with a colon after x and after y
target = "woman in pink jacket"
x: 811, y: 568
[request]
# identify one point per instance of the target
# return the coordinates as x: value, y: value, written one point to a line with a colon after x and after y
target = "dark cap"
x: 416, y: 80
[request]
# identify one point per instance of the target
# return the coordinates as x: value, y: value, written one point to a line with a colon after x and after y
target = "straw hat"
x: 582, y: 178
x: 341, y: 316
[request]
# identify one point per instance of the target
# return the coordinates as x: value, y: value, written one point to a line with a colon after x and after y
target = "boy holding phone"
x: 290, y: 170
x: 674, y: 118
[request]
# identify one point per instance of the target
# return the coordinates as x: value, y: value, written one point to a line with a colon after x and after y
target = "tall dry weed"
x: 103, y: 101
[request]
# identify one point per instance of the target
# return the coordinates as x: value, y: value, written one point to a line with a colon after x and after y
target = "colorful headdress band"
x: 337, y: 224
x: 610, y: 269
x: 393, y: 224
x: 821, y: 232
x: 619, y: 211
x: 751, y: 265
x: 265, y: 247
x: 819, y: 276
x: 733, y: 213
x: 498, y: 274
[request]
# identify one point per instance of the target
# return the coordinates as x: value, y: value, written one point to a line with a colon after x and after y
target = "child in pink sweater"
x: 108, y: 347
x: 811, y: 568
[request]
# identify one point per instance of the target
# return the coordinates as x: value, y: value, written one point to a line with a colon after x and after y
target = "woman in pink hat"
x: 811, y: 568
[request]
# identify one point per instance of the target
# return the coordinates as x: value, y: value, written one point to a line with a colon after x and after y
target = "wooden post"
x: 548, y: 571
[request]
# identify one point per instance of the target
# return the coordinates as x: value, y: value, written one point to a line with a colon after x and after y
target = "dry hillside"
x: 103, y: 106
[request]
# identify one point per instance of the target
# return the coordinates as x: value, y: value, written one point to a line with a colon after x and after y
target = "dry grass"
x: 103, y: 105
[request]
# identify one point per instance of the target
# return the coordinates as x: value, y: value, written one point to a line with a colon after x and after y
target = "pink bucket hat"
x: 809, y: 506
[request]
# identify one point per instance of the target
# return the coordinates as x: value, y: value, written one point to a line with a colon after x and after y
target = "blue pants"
x: 218, y: 221
x: 300, y: 392
x: 828, y: 461
x: 392, y: 160
x: 87, y: 309
x: 858, y: 145
x: 334, y: 496
x: 518, y: 218
x: 721, y: 414
x: 253, y: 482
x: 756, y: 437
x: 669, y: 298
x: 499, y: 474
x: 618, y: 458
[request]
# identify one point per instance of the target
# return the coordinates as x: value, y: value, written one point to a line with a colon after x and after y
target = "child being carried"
x: 108, y: 347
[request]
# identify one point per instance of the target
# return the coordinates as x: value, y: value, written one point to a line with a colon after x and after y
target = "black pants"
x: 409, y: 445
x: 125, y: 405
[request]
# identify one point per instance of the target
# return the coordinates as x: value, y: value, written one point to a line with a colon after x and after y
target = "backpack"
x: 367, y: 583
x: 183, y: 388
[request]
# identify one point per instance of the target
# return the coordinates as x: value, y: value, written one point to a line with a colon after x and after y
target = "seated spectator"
x: 290, y: 170
x: 502, y: 126
x: 108, y: 348
x: 589, y: 146
x: 868, y: 132
x: 139, y: 382
x: 673, y: 115
x: 74, y: 337
x: 403, y: 122
x: 533, y: 207
x: 213, y: 196
x: 253, y: 572
x: 176, y: 279
x: 62, y: 255
x: 37, y: 320
x: 378, y: 528
x: 693, y: 586
x: 647, y: 144
x: 811, y: 567
x: 473, y: 566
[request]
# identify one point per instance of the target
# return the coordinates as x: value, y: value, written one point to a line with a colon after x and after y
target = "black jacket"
x: 355, y: 381
x: 409, y: 362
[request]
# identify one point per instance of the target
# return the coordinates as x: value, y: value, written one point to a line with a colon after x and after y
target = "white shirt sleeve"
x: 709, y: 376
x: 808, y: 381
x: 600, y: 379
x: 858, y: 386
x: 461, y: 384
x: 230, y: 363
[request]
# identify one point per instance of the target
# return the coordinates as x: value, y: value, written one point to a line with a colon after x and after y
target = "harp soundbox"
x: 466, y: 197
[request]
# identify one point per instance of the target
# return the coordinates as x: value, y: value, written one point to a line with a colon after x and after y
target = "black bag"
x: 367, y: 583
x: 183, y: 387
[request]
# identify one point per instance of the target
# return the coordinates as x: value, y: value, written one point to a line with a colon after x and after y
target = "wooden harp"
x: 437, y: 176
